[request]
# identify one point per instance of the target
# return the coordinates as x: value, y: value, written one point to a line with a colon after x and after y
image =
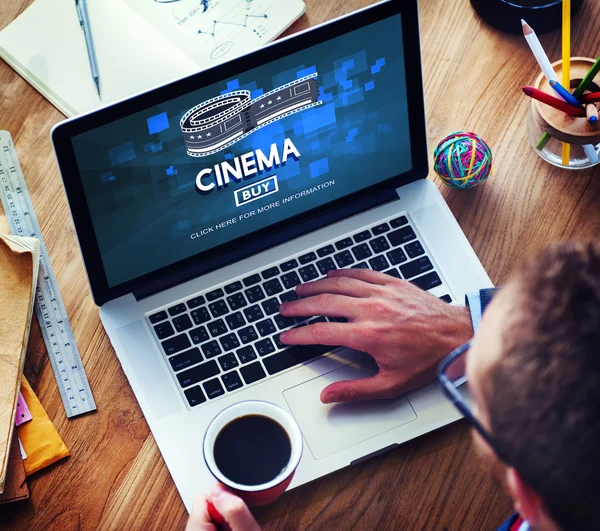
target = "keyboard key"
x: 156, y: 317
x: 264, y: 347
x: 446, y: 298
x: 416, y: 267
x: 290, y: 280
x: 211, y: 349
x: 176, y: 310
x: 398, y: 222
x: 198, y: 373
x: 317, y: 320
x: 362, y: 236
x: 254, y: 294
x: 344, y: 244
x: 379, y: 263
x: 194, y: 396
x: 232, y: 288
x: 272, y: 287
x: 277, y: 340
x: 248, y: 334
x: 414, y: 249
x: 200, y: 315
x: 229, y: 342
x: 246, y: 354
x: 289, y: 265
x: 195, y: 302
x: 215, y: 294
x: 271, y: 306
x: 289, y: 296
x: 393, y: 273
x: 380, y: 229
x: 266, y: 327
x: 337, y: 320
x: 283, y: 322
x: 379, y: 244
x: 360, y: 265
x: 327, y: 264
x: 228, y: 361
x: 362, y: 251
x: 251, y: 280
x: 216, y: 328
x: 231, y: 381
x: 164, y: 330
x: 308, y: 273
x: 344, y: 259
x: 306, y: 258
x: 294, y: 356
x: 428, y: 281
x: 176, y: 344
x: 185, y: 359
x: 199, y: 335
x: 218, y: 308
x: 400, y: 236
x: 253, y: 372
x: 213, y: 388
x: 236, y: 301
x: 235, y: 320
x: 324, y: 251
x: 253, y: 313
x: 397, y: 256
x: 270, y: 273
x: 183, y: 322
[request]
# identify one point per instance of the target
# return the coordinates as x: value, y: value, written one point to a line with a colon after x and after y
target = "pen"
x: 564, y: 93
x: 84, y: 21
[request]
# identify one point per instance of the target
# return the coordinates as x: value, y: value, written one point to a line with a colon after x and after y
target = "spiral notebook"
x: 139, y: 43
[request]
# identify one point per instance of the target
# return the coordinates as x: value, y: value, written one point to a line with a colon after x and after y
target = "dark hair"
x: 544, y: 403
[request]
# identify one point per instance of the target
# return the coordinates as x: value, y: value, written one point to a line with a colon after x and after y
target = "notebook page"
x: 213, y: 31
x: 46, y: 45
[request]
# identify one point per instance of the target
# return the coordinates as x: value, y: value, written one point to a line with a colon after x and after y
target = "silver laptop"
x: 200, y: 205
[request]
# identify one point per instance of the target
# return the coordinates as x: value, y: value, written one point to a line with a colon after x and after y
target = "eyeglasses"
x: 453, y: 378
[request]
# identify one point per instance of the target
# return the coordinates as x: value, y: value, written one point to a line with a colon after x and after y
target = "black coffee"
x: 252, y: 450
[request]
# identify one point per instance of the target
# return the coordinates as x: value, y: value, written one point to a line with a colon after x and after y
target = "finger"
x: 199, y: 518
x: 366, y: 275
x: 340, y: 285
x: 330, y: 334
x: 324, y: 304
x: 378, y: 386
x: 233, y: 509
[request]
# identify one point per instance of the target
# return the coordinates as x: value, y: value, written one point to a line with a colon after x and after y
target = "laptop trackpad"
x: 329, y: 428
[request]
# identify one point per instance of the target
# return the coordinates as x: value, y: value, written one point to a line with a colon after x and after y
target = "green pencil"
x: 589, y: 77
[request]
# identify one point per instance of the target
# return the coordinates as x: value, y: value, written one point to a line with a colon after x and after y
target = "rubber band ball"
x: 463, y: 160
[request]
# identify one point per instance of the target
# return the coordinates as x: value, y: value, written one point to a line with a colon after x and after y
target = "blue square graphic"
x: 369, y: 86
x: 120, y: 154
x: 319, y: 167
x: 158, y: 123
x: 318, y: 117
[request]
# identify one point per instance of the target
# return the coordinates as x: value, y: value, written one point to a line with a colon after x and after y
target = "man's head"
x: 534, y: 372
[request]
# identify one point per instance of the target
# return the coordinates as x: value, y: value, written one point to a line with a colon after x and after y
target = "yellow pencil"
x: 566, y: 65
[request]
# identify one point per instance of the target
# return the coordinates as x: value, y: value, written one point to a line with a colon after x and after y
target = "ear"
x: 527, y: 502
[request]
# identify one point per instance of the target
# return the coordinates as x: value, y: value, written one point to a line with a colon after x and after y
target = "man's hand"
x: 408, y: 331
x: 235, y: 512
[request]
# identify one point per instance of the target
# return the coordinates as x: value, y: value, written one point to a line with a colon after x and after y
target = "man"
x: 533, y: 373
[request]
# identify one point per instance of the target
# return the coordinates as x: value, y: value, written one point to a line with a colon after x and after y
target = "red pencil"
x: 590, y: 98
x: 546, y: 98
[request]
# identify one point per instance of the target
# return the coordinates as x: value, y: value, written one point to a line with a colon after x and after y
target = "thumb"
x: 378, y: 386
x: 233, y: 509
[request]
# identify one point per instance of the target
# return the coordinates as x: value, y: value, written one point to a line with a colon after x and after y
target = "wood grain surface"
x: 116, y: 478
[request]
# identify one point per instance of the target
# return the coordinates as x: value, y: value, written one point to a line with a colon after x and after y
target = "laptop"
x: 201, y: 204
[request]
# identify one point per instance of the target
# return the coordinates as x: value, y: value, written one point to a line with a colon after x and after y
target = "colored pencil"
x: 592, y: 97
x: 546, y: 98
x: 591, y: 154
x: 589, y: 77
x: 566, y: 66
x: 538, y: 51
x: 564, y: 93
x: 591, y: 113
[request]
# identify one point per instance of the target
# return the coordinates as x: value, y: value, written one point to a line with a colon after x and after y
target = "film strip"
x: 218, y: 123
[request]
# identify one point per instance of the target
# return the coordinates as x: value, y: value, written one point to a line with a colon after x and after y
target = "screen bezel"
x: 265, y: 238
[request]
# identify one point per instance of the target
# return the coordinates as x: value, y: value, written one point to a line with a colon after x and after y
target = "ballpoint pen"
x: 84, y: 21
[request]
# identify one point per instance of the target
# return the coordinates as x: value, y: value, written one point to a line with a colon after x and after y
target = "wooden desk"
x: 116, y: 479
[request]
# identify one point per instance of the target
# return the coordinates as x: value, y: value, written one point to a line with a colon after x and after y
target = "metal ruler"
x: 49, y: 307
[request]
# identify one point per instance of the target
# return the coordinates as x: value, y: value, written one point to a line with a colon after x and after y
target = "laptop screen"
x: 230, y: 158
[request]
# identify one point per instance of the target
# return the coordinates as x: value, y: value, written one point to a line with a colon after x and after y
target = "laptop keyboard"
x: 227, y: 338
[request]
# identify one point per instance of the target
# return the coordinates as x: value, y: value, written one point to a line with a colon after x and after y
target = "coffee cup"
x: 253, y: 448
